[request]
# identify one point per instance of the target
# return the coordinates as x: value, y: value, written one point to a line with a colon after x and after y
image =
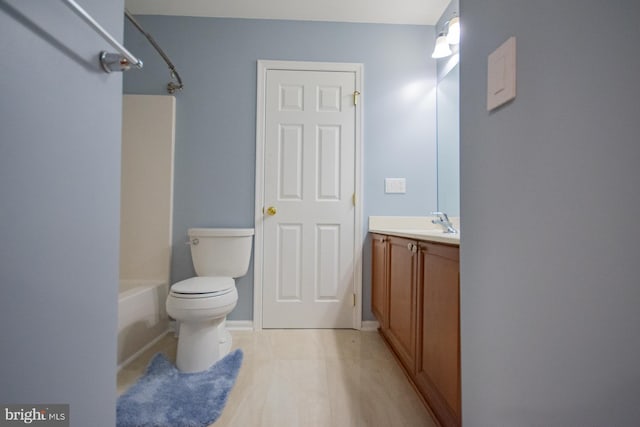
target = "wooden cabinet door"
x: 401, y: 331
x: 379, y: 280
x: 438, y: 354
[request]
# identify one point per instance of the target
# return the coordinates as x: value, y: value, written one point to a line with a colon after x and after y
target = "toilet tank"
x: 221, y: 251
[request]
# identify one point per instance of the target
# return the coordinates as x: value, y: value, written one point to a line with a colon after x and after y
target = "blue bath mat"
x: 165, y: 397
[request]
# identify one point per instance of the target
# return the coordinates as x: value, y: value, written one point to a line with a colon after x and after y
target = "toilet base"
x: 224, y: 337
x: 201, y: 344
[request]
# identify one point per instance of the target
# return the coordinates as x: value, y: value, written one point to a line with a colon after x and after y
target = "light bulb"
x: 442, y: 47
x: 453, y: 32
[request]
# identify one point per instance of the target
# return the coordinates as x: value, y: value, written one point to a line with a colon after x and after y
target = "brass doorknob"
x: 271, y: 211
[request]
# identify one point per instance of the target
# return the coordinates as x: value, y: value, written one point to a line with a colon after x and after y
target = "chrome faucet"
x: 443, y: 220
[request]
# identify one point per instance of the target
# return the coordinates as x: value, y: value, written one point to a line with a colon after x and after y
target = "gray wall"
x: 59, y: 209
x: 550, y: 200
x: 216, y: 115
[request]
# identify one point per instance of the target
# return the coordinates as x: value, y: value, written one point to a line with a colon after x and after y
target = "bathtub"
x: 142, y: 317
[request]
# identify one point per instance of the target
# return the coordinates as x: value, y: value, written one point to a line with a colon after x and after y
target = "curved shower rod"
x: 171, y: 86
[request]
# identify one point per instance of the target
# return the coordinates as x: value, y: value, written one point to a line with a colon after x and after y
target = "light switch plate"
x: 501, y: 75
x: 395, y: 185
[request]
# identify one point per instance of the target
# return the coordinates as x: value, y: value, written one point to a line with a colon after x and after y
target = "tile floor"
x: 308, y: 378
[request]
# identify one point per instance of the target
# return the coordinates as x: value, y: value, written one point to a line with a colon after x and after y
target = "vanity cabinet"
x: 416, y: 299
x: 379, y: 280
x: 437, y: 373
x: 402, y: 297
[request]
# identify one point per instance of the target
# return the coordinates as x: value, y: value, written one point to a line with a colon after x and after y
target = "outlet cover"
x: 395, y: 185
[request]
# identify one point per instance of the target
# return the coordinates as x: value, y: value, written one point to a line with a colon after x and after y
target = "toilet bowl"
x: 201, y: 304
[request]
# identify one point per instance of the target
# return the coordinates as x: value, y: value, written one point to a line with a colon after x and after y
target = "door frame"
x: 258, y: 247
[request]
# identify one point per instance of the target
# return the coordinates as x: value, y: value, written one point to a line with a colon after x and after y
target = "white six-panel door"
x: 309, y: 184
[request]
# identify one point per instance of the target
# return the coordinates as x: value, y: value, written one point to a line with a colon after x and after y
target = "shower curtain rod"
x: 171, y: 86
x: 120, y: 61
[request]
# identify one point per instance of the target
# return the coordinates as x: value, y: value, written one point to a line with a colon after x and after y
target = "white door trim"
x: 258, y: 247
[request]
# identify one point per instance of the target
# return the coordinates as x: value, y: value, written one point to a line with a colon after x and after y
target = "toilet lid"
x: 204, y: 285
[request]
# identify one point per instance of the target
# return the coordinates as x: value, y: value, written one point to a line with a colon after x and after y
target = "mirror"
x: 448, y: 136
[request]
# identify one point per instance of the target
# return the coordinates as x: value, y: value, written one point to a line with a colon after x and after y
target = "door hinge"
x: 356, y: 94
x: 354, y: 300
x: 353, y: 199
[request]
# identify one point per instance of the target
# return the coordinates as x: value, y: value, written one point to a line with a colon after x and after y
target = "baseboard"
x: 247, y: 325
x: 143, y: 349
x: 240, y: 325
x: 370, y: 325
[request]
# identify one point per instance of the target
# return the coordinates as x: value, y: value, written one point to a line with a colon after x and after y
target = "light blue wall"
x: 550, y: 291
x: 59, y: 210
x: 216, y: 115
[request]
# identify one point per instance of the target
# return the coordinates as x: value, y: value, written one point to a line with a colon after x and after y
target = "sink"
x: 429, y: 231
x: 440, y: 235
x: 418, y: 228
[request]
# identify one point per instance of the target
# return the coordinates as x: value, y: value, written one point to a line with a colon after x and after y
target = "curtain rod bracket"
x: 115, y: 62
x: 121, y: 61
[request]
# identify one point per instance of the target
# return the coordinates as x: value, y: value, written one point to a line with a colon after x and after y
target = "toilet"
x: 201, y: 304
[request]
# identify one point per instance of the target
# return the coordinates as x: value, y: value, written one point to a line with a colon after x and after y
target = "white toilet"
x: 201, y: 304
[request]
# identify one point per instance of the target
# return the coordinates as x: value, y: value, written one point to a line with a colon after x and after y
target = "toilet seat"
x: 203, y: 287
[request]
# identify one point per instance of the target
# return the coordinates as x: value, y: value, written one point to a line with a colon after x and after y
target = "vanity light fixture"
x: 442, y: 49
x: 450, y: 37
x: 453, y: 30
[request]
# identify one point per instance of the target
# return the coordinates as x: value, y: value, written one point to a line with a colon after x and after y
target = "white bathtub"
x: 142, y: 317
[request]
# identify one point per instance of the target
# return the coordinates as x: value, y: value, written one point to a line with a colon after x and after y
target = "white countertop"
x: 419, y: 228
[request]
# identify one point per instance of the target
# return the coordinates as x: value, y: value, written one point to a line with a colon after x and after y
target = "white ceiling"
x: 418, y: 12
